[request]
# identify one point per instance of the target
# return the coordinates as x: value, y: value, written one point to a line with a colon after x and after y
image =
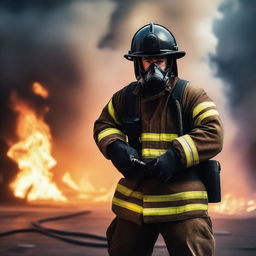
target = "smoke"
x: 117, y: 19
x: 35, y: 47
x: 235, y: 60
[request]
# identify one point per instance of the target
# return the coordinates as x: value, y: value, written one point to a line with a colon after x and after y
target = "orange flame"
x: 106, y: 197
x: 38, y: 89
x: 69, y: 181
x: 232, y: 205
x: 33, y: 156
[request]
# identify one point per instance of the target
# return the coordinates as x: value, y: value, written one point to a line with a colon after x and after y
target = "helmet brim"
x: 175, y: 54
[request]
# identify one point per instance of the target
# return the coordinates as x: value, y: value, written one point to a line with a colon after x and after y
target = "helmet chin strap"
x: 154, y: 79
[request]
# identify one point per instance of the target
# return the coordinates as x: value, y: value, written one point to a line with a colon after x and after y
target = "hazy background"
x: 75, y: 49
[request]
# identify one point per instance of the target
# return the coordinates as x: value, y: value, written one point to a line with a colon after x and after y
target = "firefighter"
x: 161, y: 191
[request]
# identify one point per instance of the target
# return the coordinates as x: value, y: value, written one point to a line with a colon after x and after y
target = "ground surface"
x: 238, y: 237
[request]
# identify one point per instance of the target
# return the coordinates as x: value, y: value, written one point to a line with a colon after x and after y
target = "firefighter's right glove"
x: 125, y: 158
x: 165, y: 166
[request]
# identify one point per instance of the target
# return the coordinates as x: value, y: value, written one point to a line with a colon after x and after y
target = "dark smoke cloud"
x: 117, y: 19
x: 20, y: 5
x: 236, y: 65
x: 34, y: 46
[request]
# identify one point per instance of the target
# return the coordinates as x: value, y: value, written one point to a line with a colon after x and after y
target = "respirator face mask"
x: 154, y: 79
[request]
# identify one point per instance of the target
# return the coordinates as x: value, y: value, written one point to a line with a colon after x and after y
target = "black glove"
x: 125, y: 159
x: 165, y: 166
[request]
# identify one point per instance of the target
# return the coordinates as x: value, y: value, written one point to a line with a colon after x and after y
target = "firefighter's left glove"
x: 124, y: 158
x: 165, y: 166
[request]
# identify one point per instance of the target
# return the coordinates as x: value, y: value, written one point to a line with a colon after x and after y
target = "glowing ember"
x: 38, y: 89
x: 33, y: 156
x: 69, y: 181
x: 107, y: 197
x: 232, y: 205
x: 85, y: 189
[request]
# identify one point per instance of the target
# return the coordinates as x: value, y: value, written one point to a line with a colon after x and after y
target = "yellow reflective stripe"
x: 176, y: 197
x: 202, y: 106
x: 162, y: 198
x: 174, y: 210
x: 193, y: 148
x: 158, y: 136
x: 112, y: 112
x: 127, y: 205
x: 152, y: 152
x: 128, y: 192
x: 211, y: 112
x: 187, y: 151
x: 190, y: 150
x: 159, y: 211
x: 107, y: 132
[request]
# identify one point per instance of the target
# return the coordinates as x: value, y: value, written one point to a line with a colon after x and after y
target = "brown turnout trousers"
x: 183, y: 238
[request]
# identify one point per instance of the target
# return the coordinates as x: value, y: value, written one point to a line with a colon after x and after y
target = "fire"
x: 35, y: 181
x: 38, y: 89
x: 86, y: 190
x: 69, y: 181
x: 106, y: 197
x: 232, y: 205
x: 33, y: 155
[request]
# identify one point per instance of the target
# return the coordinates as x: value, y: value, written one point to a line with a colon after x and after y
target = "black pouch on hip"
x: 210, y: 175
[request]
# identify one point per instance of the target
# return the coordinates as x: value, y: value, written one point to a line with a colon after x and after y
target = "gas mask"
x: 154, y: 79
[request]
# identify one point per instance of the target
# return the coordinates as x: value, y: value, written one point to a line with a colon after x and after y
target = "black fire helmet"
x: 154, y: 40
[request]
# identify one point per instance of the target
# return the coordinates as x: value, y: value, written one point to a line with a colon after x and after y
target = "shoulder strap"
x: 176, y: 99
x: 131, y: 117
x: 178, y: 90
x: 130, y: 112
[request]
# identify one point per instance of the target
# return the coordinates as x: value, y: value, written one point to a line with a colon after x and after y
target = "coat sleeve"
x: 108, y: 127
x: 205, y: 138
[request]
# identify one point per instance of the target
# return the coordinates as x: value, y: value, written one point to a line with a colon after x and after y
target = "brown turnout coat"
x: 153, y: 200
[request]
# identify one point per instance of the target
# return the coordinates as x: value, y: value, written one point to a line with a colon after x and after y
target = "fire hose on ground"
x: 37, y: 227
x: 62, y: 235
